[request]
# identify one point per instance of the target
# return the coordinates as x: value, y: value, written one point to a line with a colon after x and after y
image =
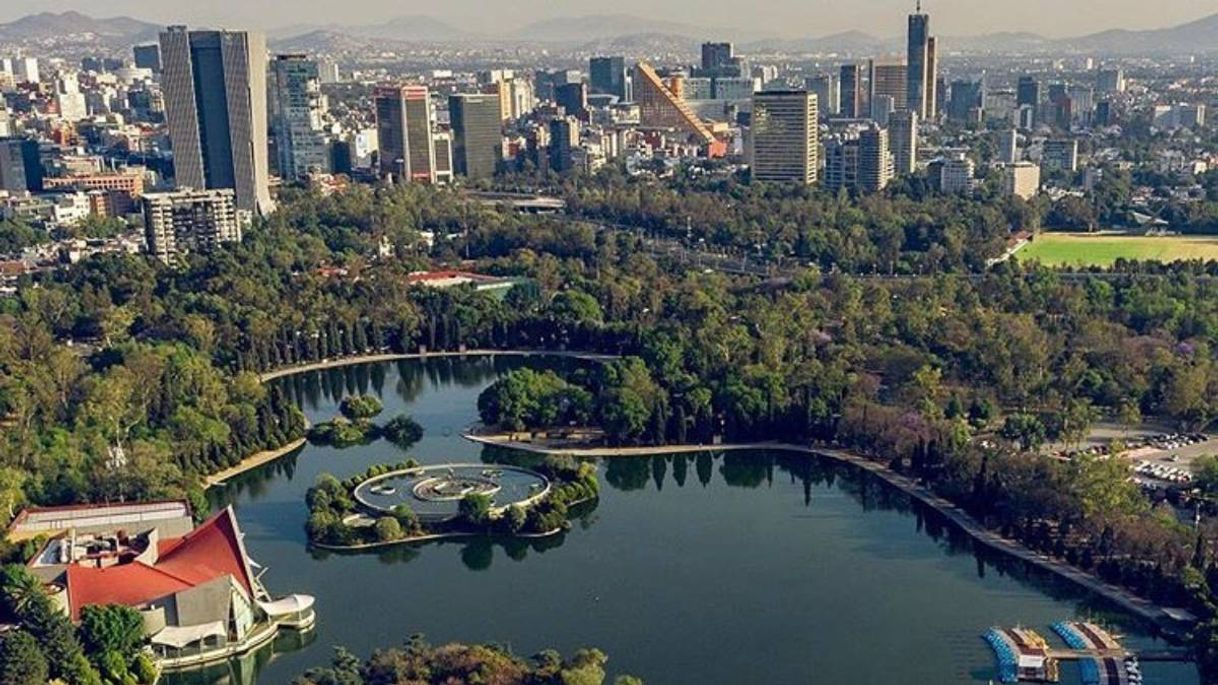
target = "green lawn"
x: 1074, y: 249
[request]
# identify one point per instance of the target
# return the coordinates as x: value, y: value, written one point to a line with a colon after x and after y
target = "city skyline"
x: 779, y: 18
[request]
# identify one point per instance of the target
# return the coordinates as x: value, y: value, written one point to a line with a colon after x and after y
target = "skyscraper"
x: 298, y: 106
x: 784, y: 136
x: 888, y: 77
x: 967, y: 101
x: 573, y: 98
x: 147, y: 56
x: 564, y: 138
x: 932, y: 78
x: 903, y: 134
x: 214, y: 86
x: 404, y: 129
x: 20, y: 165
x: 919, y: 83
x: 1028, y: 92
x: 851, y: 91
x: 477, y: 134
x: 716, y: 56
x: 1007, y: 145
x: 607, y: 76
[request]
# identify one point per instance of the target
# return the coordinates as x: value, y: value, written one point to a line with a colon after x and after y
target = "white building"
x: 1021, y: 179
x: 189, y: 221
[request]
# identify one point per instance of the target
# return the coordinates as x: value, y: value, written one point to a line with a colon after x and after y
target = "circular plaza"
x: 435, y: 492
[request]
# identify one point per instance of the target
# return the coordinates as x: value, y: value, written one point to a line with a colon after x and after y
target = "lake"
x: 748, y: 567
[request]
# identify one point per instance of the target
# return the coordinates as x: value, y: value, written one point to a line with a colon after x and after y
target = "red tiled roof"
x: 211, y: 551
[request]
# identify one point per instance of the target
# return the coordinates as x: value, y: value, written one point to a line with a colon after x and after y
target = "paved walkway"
x: 251, y: 462
x: 1127, y: 600
x: 391, y: 356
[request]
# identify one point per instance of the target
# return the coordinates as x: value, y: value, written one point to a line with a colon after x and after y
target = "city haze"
x: 784, y: 18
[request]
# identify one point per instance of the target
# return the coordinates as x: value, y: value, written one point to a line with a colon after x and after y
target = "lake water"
x: 716, y: 570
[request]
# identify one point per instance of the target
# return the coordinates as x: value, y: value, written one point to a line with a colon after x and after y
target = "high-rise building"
x: 841, y: 165
x: 297, y: 120
x: 148, y: 57
x: 828, y: 93
x: 920, y: 79
x: 189, y: 221
x: 607, y: 76
x: 20, y: 165
x: 733, y: 87
x: 215, y: 92
x: 967, y: 101
x: 1021, y: 179
x: 1028, y: 92
x: 404, y: 124
x: 477, y: 134
x: 956, y: 174
x: 327, y: 72
x: 1110, y: 80
x: 784, y: 136
x: 1060, y: 154
x: 882, y: 107
x: 888, y: 77
x: 852, y: 92
x: 874, y: 160
x: 715, y: 56
x: 662, y: 107
x: 25, y: 69
x: 1007, y: 146
x: 69, y: 99
x: 442, y: 141
x: 933, y: 102
x: 564, y: 139
x: 573, y: 98
x: 903, y: 134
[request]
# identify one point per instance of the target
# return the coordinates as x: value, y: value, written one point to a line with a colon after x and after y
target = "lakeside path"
x: 1128, y: 601
x: 251, y: 462
x: 391, y: 357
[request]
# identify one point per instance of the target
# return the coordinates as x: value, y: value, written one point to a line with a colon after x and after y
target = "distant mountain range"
x: 637, y: 33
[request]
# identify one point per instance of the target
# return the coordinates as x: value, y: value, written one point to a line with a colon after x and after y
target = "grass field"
x: 1082, y: 249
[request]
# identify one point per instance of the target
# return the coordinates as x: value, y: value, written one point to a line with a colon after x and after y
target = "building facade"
x: 297, y: 120
x: 185, y: 221
x: 477, y: 135
x: 785, y: 137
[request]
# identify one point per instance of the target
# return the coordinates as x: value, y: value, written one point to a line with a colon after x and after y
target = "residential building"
x: 661, y: 107
x: 957, y: 174
x: 874, y: 160
x: 1060, y: 155
x: 1021, y: 179
x: 784, y: 135
x: 215, y: 91
x: 185, y: 221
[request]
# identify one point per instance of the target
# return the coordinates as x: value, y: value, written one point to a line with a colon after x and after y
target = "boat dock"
x: 1024, y: 656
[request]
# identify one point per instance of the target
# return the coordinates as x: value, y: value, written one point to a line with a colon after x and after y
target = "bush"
x: 403, y: 431
x: 388, y: 529
x: 357, y: 407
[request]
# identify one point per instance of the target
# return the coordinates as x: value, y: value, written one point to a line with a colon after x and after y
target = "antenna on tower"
x: 919, y: 6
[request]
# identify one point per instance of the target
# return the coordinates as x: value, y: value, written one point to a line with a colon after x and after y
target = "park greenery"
x: 332, y: 505
x: 106, y: 648
x: 403, y: 431
x: 418, y: 663
x: 354, y: 428
x: 121, y: 378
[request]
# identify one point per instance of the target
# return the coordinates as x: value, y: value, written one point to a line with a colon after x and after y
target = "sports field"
x: 1102, y: 249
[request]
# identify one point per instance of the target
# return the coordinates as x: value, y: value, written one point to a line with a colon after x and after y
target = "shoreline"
x: 267, y: 456
x: 1139, y: 606
x: 285, y: 371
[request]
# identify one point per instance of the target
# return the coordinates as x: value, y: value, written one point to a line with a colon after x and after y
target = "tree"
x: 475, y: 509
x: 21, y: 660
x: 586, y: 667
x: 357, y: 407
x: 403, y: 431
x: 112, y: 628
x: 1025, y: 429
x: 388, y: 529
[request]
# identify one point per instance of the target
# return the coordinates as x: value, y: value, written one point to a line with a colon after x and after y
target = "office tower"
x: 956, y: 174
x: 1007, y: 146
x: 298, y: 109
x: 716, y: 56
x: 903, y: 134
x: 477, y: 134
x: 967, y: 101
x: 919, y: 80
x: 215, y: 92
x: 874, y: 160
x: 852, y: 92
x: 662, y: 107
x: 404, y: 126
x: 573, y: 98
x: 1082, y: 105
x: 187, y: 221
x: 607, y: 76
x: 1028, y: 92
x: 564, y: 139
x: 147, y: 57
x: 1021, y: 179
x: 1110, y: 80
x: 933, y: 101
x: 888, y: 77
x: 940, y: 96
x: 1060, y: 154
x: 733, y: 88
x: 20, y: 165
x: 784, y: 137
x: 828, y: 93
x: 882, y: 107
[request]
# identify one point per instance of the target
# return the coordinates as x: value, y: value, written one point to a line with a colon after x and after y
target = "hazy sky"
x: 782, y: 17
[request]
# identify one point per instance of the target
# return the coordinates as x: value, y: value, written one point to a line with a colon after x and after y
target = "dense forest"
x: 121, y: 378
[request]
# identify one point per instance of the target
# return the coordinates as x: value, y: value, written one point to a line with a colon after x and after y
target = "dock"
x: 1024, y: 656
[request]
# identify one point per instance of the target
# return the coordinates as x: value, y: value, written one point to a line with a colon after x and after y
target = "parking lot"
x: 1158, y: 457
